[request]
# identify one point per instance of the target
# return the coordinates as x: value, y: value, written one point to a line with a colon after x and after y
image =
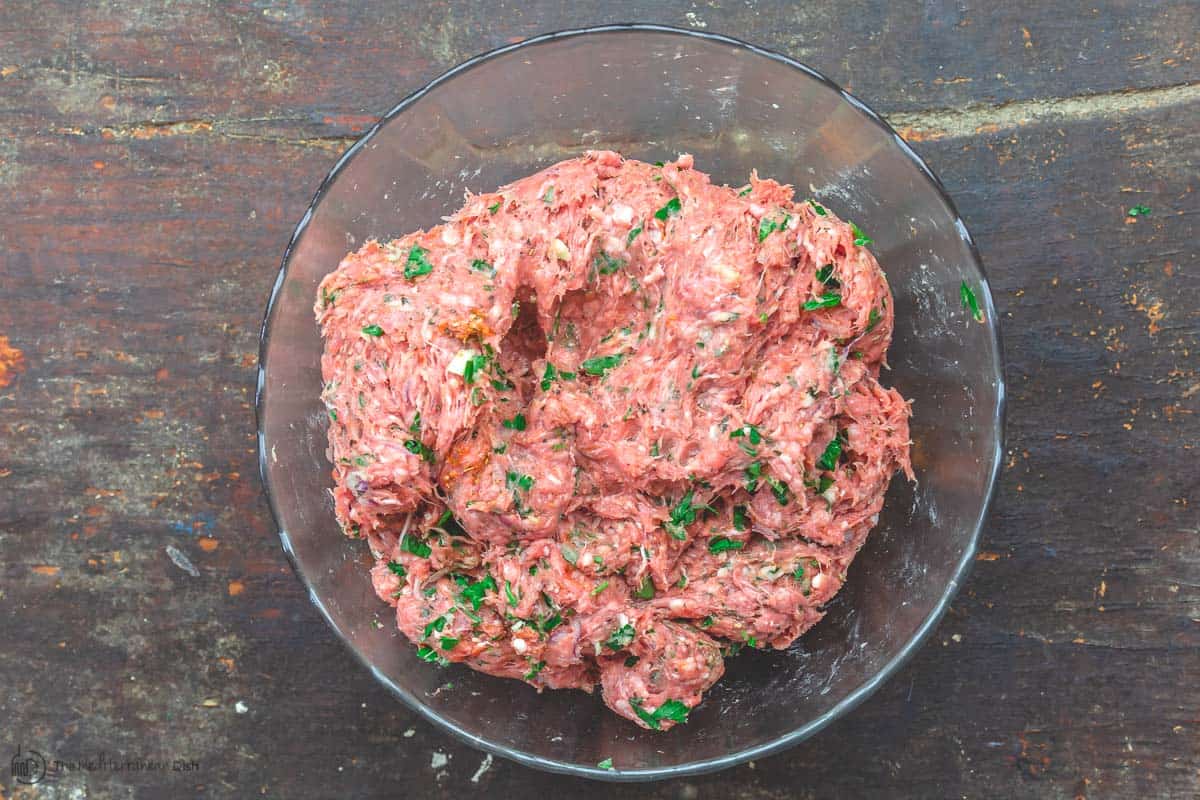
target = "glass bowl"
x: 651, y: 93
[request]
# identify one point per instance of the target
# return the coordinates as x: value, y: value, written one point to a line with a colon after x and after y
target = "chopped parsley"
x: 427, y: 653
x: 515, y: 480
x: 746, y: 190
x: 682, y: 515
x: 606, y: 764
x: 435, y: 626
x: 671, y: 209
x: 598, y: 365
x: 672, y: 710
x: 722, y: 544
x: 449, y: 642
x: 397, y: 569
x: 600, y: 587
x: 707, y: 622
x: 969, y: 302
x: 825, y: 274
x: 645, y: 591
x: 817, y: 207
x: 548, y: 197
x: 826, y: 300
x: 768, y: 226
x: 833, y: 452
x: 621, y: 638
x: 517, y: 423
x: 633, y: 234
x: 534, y: 669
x: 328, y: 298
x: 479, y: 265
x: 752, y: 438
x: 417, y: 265
x: 419, y: 448
x: 373, y: 330
x: 474, y: 592
x: 631, y: 661
x: 873, y: 319
x: 860, y: 238
x: 753, y: 473
x: 740, y: 521
x: 494, y: 207
x: 412, y: 544
x: 509, y: 596
x: 333, y: 414
x: 606, y: 264
x: 474, y: 366
x: 780, y: 489
x: 1139, y: 210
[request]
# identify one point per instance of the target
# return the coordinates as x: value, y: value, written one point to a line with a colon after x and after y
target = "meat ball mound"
x: 611, y: 422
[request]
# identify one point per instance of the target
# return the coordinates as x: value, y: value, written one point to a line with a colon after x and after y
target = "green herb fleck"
x: 474, y: 592
x: 417, y: 265
x: 740, y: 521
x: 721, y: 544
x: 516, y: 480
x: 479, y: 265
x: 517, y: 423
x: 817, y: 207
x: 606, y: 764
x: 780, y: 489
x: 826, y: 300
x: 419, y: 448
x: 548, y: 197
x: 753, y: 473
x: 833, y: 451
x: 633, y: 234
x: 672, y: 710
x: 606, y: 264
x: 598, y: 365
x: 969, y: 302
x: 1139, y: 210
x: 509, y: 596
x: 768, y: 226
x: 412, y: 544
x: 534, y: 669
x: 397, y: 569
x: 435, y: 626
x: 373, y: 330
x: 873, y: 319
x: 427, y: 653
x: 494, y: 207
x: 746, y: 190
x: 707, y: 622
x: 671, y: 209
x: 645, y: 591
x: 621, y: 638
x: 333, y: 414
x: 860, y: 238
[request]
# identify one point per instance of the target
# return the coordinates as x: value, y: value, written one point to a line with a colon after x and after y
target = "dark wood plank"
x: 143, y: 220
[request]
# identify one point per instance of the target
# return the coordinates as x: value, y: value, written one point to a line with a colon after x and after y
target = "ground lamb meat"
x: 610, y: 423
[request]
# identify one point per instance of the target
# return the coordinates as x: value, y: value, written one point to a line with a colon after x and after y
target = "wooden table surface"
x: 154, y: 158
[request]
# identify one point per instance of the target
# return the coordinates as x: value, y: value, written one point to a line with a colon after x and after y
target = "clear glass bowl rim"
x: 863, y: 690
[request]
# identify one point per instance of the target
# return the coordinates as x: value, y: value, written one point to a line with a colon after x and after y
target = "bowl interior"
x: 651, y: 94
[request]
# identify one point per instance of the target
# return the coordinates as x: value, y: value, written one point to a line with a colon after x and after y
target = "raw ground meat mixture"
x: 612, y: 423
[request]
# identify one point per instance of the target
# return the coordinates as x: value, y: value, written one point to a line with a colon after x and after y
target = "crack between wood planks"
x: 223, y: 129
x: 971, y: 120
x: 917, y: 126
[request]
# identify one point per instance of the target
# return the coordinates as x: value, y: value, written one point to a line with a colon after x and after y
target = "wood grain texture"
x: 153, y: 161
